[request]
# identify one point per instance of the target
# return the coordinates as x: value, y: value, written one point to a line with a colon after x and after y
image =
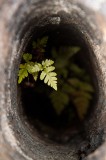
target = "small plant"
x: 74, y: 84
x: 35, y: 68
x: 45, y: 68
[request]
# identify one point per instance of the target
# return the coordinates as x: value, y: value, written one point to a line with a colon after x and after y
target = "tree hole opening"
x: 76, y: 88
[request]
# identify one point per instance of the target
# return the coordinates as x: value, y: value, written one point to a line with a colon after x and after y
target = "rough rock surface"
x: 18, y: 19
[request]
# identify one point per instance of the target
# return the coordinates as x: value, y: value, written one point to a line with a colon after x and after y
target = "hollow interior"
x: 36, y: 104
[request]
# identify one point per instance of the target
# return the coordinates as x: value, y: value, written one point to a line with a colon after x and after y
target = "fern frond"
x: 36, y: 67
x: 49, y: 78
x: 81, y: 93
x: 50, y: 69
x: 48, y: 75
x: 27, y: 57
x: 72, y: 51
x: 75, y: 82
x: 77, y: 70
x: 42, y: 76
x: 81, y: 105
x: 83, y: 86
x: 67, y: 52
x: 47, y: 63
x: 23, y: 73
x: 68, y: 89
x: 40, y: 43
x: 43, y: 41
x: 59, y: 100
x: 22, y: 66
x: 87, y: 87
x: 35, y: 76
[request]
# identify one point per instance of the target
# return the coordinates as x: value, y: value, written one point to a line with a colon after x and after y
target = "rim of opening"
x: 23, y: 46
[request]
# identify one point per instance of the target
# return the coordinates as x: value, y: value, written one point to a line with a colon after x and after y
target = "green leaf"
x: 81, y: 85
x: 59, y: 100
x: 40, y: 44
x: 36, y: 67
x: 48, y: 75
x: 47, y: 63
x: 73, y: 50
x: 22, y: 65
x: 83, y: 94
x: 86, y: 87
x: 74, y: 82
x: 49, y: 78
x: 81, y: 105
x: 62, y: 57
x: 43, y: 41
x: 68, y: 52
x: 60, y: 63
x: 35, y: 75
x: 42, y: 76
x: 49, y: 69
x: 27, y: 57
x: 22, y: 73
x: 68, y: 88
x: 77, y: 70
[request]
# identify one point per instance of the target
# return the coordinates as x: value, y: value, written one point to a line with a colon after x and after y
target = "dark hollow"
x: 37, y: 107
x: 66, y: 23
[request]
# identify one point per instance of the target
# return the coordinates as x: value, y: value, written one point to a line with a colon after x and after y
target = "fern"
x: 34, y: 68
x: 40, y: 44
x: 65, y: 52
x: 23, y: 73
x: 47, y: 63
x: 76, y: 70
x: 43, y: 41
x: 80, y: 96
x: 27, y: 57
x: 48, y: 75
x: 59, y: 100
x: 79, y: 92
x: 73, y: 82
x: 81, y: 105
x: 62, y: 59
x: 45, y: 68
x: 24, y: 68
x: 81, y: 85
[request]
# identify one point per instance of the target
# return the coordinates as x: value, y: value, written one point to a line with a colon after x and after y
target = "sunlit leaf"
x: 23, y: 73
x: 35, y: 75
x: 47, y: 63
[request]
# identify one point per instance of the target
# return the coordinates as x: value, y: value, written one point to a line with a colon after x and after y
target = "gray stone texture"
x: 18, y: 19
